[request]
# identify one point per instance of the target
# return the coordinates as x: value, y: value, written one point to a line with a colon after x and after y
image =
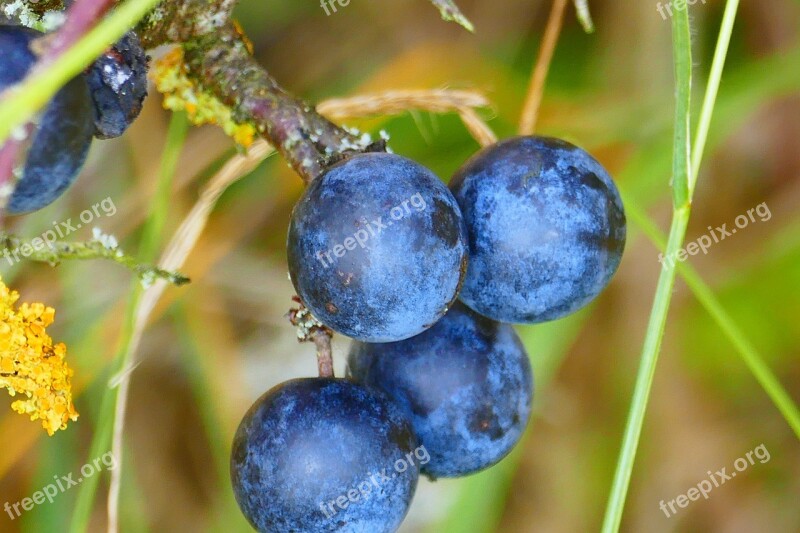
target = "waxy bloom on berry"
x: 31, y: 366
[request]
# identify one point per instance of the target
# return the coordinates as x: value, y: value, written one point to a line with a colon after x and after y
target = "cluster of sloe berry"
x: 101, y: 102
x: 531, y: 230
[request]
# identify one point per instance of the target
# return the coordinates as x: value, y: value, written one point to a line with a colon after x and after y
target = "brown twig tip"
x: 450, y: 11
x: 309, y: 329
x: 584, y: 16
x: 40, y: 7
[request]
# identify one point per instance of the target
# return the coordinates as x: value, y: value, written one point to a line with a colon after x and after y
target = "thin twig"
x: 178, y: 249
x: 223, y: 64
x: 81, y: 17
x: 530, y: 111
x: 14, y: 249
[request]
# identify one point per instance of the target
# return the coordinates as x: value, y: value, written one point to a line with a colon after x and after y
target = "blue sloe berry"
x: 57, y: 148
x: 466, y: 385
x: 546, y: 229
x: 324, y: 454
x: 377, y: 247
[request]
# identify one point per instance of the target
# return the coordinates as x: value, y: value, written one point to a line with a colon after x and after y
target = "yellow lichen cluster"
x: 31, y: 366
x: 182, y: 94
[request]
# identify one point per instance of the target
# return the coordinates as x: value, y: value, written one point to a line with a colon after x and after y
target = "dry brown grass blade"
x: 178, y: 249
x: 530, y: 110
x: 188, y: 233
x: 397, y: 102
x: 432, y: 100
x: 477, y: 127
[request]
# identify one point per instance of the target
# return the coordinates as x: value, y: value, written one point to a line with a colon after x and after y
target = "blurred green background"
x: 217, y: 344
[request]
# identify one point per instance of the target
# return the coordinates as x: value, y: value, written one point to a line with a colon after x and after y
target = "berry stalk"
x: 310, y: 329
x: 322, y: 340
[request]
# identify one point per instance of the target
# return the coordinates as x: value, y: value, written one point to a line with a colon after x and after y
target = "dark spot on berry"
x: 445, y: 223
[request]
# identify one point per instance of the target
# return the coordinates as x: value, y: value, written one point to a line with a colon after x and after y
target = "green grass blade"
x: 681, y: 171
x: 682, y: 156
x: 714, y: 79
x: 20, y: 104
x: 101, y: 441
x: 666, y: 281
x: 644, y: 377
x: 159, y: 208
x: 746, y: 351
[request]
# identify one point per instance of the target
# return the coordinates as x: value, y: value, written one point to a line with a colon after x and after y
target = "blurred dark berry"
x: 58, y: 143
x: 118, y: 82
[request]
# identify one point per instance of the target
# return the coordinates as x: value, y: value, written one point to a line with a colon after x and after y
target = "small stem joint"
x: 309, y: 329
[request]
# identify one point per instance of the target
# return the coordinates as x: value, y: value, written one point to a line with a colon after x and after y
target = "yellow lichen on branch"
x: 31, y: 366
x: 182, y: 94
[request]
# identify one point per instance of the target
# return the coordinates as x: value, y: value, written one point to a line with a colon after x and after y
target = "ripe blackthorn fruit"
x: 63, y: 134
x: 118, y: 82
x: 324, y: 454
x: 546, y: 229
x: 466, y: 384
x: 377, y: 247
